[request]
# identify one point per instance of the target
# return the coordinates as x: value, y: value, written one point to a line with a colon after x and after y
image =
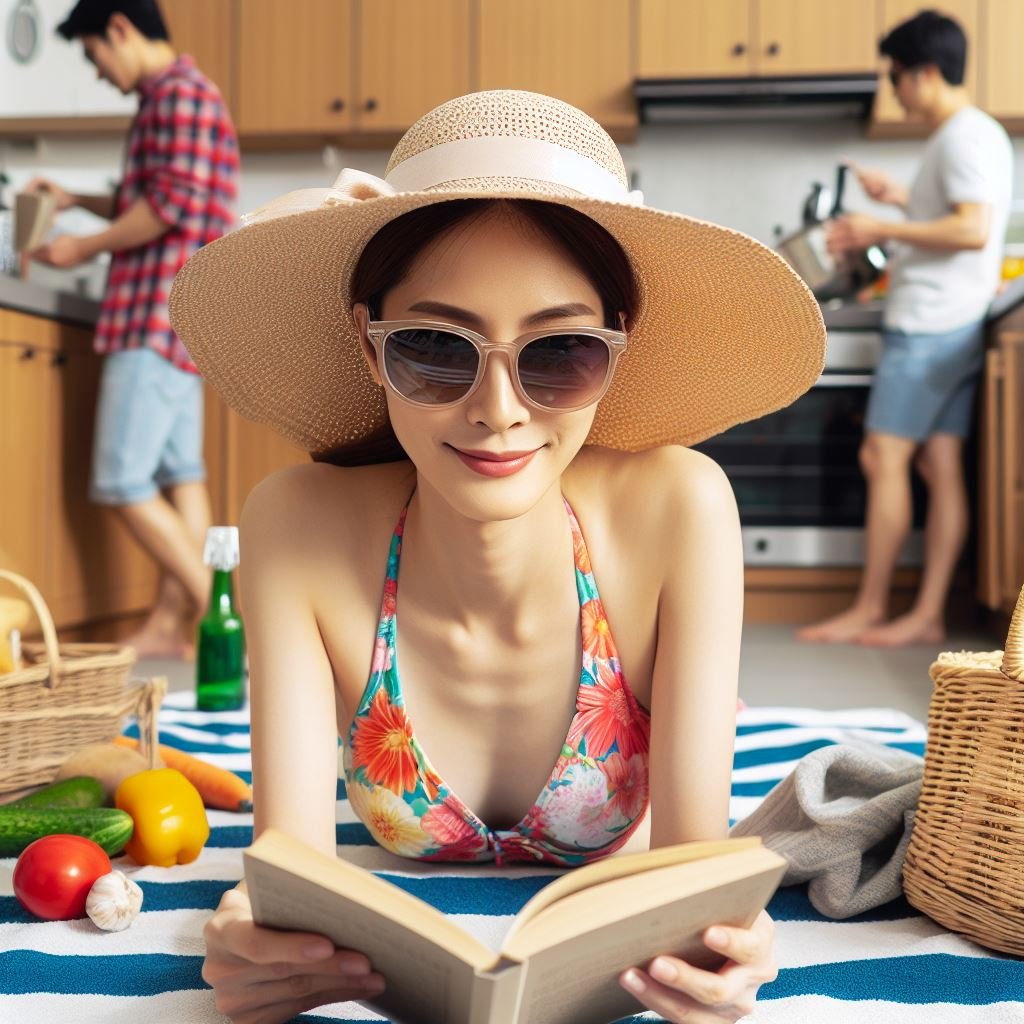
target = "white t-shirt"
x: 969, y: 159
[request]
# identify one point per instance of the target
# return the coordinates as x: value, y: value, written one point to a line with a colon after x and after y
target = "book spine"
x: 497, y: 994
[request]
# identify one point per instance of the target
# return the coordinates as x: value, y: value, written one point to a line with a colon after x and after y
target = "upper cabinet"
x: 327, y: 67
x: 1001, y: 77
x: 294, y: 67
x: 738, y: 38
x: 888, y: 116
x: 808, y: 37
x: 411, y: 57
x: 694, y: 39
x: 577, y: 50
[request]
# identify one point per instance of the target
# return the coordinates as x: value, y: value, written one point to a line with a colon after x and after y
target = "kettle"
x: 805, y: 250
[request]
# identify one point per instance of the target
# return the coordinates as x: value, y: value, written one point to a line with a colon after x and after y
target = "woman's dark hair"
x: 389, y: 254
x: 929, y: 38
x: 91, y: 18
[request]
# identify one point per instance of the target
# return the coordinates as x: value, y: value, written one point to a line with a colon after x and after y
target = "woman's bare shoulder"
x: 655, y: 487
x: 313, y: 503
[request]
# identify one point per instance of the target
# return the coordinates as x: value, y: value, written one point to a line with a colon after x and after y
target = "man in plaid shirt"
x: 177, y: 194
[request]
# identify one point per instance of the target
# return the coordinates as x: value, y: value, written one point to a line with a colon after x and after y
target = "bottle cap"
x: 221, y: 550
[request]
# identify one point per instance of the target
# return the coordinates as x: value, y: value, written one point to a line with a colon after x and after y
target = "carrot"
x: 218, y: 787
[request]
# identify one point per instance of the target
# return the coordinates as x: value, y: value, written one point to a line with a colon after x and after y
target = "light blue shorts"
x: 149, y: 428
x: 925, y: 383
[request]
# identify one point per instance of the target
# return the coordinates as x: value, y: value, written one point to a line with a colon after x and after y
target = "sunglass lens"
x: 564, y: 371
x: 429, y: 366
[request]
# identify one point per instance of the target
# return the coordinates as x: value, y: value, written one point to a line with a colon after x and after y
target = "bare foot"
x: 905, y: 631
x: 159, y: 643
x: 843, y: 628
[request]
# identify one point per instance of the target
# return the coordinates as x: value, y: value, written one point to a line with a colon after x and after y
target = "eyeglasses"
x: 559, y: 369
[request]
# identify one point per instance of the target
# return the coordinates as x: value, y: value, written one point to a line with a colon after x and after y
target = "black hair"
x: 388, y: 256
x: 929, y: 38
x: 92, y: 17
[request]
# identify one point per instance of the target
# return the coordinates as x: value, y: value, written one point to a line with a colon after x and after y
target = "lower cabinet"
x: 79, y: 555
x: 1001, y: 468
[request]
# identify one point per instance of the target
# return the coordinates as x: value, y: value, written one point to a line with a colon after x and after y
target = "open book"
x: 559, y: 963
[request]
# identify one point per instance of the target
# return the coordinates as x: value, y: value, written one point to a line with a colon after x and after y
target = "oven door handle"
x: 844, y: 380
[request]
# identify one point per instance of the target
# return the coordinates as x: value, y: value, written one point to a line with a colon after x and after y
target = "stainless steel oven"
x: 796, y: 474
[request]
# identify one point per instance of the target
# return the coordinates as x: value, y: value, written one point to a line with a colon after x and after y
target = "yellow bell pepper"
x: 170, y: 820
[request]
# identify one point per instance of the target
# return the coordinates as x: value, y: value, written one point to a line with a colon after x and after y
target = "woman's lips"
x: 495, y: 464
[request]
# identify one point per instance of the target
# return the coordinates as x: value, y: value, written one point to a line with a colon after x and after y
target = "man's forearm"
x: 102, y: 206
x: 947, y: 234
x: 138, y: 225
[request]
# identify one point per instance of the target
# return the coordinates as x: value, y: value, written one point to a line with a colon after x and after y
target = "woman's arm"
x: 696, y: 665
x: 693, y: 727
x: 294, y: 723
x: 261, y: 975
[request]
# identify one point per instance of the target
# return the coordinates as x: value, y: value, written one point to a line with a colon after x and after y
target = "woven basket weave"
x: 67, y: 696
x: 965, y: 862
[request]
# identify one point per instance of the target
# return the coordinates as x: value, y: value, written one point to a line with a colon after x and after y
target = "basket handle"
x: 55, y: 667
x: 1013, y: 652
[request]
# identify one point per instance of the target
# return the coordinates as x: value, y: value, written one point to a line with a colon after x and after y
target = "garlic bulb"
x: 114, y: 902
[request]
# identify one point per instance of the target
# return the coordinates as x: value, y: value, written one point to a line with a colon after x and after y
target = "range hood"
x: 661, y: 100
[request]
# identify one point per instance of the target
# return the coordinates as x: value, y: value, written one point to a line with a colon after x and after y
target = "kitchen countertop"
x: 40, y: 300
x: 867, y: 316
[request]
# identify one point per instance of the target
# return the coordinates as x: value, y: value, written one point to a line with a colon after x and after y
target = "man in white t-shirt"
x: 944, y: 273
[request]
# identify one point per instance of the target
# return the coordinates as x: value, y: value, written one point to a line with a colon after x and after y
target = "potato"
x: 108, y: 762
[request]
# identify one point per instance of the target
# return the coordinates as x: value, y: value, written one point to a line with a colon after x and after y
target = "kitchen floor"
x: 777, y: 671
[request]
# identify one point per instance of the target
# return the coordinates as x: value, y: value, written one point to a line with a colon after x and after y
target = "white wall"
x: 750, y: 176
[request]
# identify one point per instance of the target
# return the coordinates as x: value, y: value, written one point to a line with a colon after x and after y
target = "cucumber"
x: 19, y: 826
x: 81, y: 791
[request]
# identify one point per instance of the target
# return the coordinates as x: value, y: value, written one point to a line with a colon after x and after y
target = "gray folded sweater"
x: 842, y: 818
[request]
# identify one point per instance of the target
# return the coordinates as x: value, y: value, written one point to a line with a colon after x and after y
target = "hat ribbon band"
x: 509, y: 157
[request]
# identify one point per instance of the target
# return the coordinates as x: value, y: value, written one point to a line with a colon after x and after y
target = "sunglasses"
x: 560, y: 369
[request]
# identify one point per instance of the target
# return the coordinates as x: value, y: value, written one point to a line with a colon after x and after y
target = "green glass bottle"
x: 220, y: 650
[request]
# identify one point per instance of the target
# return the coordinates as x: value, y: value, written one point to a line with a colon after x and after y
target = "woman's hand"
x: 262, y: 976
x: 681, y: 992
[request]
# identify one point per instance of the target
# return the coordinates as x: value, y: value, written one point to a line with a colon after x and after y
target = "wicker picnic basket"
x: 965, y: 861
x: 67, y: 696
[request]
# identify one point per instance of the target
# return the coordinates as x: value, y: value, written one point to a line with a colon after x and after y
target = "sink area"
x: 43, y: 300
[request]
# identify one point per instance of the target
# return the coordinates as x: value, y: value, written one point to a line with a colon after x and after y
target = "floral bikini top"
x: 591, y: 804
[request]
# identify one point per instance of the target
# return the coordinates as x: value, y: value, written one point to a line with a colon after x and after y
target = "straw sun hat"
x: 724, y: 331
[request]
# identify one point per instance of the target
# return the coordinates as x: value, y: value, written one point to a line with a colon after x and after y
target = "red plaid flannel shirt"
x: 182, y: 158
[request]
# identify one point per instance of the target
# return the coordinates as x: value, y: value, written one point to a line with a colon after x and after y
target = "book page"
x: 292, y: 886
x: 629, y: 864
x: 575, y: 980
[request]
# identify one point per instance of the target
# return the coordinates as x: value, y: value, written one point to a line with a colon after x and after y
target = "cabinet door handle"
x: 738, y: 50
x: 371, y: 104
x: 773, y: 49
x: 337, y: 105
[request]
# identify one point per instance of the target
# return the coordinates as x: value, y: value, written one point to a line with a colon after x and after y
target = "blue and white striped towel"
x: 893, y: 965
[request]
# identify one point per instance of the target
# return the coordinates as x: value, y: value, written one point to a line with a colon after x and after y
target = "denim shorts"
x: 925, y: 383
x: 149, y: 428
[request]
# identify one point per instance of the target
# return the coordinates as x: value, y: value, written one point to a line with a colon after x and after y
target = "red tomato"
x: 54, y: 874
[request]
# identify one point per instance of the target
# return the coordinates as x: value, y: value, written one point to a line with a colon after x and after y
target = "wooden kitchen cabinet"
x: 738, y: 38
x: 203, y: 29
x: 24, y: 449
x: 808, y: 37
x: 1001, y: 467
x: 694, y: 39
x: 79, y: 555
x: 576, y: 50
x: 294, y: 62
x: 1000, y: 71
x: 411, y: 58
x: 888, y: 117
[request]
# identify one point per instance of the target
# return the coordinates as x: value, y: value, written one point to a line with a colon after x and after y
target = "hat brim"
x: 725, y: 330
